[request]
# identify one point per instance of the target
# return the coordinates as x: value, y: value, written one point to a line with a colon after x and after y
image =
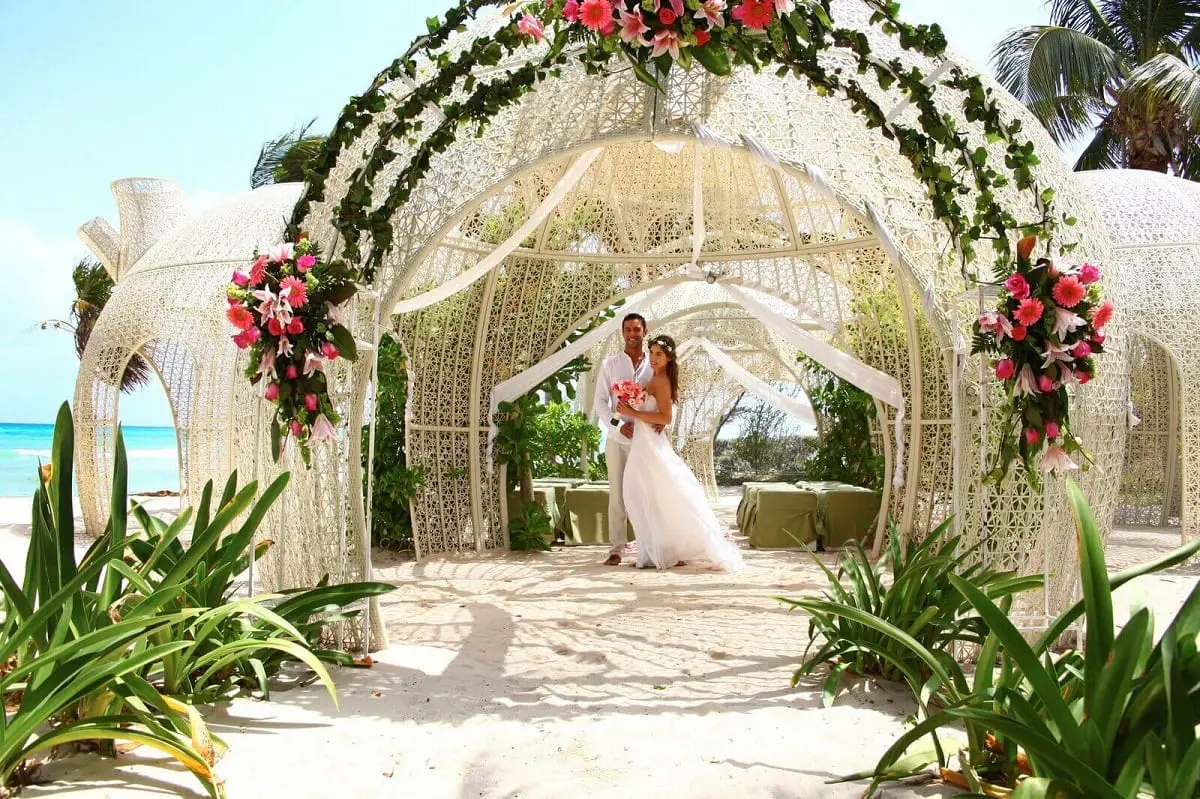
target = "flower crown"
x: 664, y: 343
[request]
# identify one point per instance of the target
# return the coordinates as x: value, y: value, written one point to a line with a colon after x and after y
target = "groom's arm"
x: 602, y: 403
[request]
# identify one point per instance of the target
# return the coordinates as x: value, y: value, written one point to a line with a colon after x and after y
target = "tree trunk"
x: 526, y: 479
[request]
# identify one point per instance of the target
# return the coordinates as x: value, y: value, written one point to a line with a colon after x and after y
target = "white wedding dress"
x: 668, y: 508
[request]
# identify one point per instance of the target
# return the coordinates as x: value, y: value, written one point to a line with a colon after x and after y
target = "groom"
x: 631, y: 364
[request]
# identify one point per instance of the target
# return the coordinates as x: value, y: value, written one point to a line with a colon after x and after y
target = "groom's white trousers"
x: 616, y: 454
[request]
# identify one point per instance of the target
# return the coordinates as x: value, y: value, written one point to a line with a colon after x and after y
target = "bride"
x: 666, y: 504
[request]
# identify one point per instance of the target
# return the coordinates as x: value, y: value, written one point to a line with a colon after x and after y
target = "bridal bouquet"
x: 630, y: 393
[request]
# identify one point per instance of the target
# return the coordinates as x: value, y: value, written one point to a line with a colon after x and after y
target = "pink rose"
x: 252, y: 334
x: 1018, y: 333
x: 1098, y: 339
x: 306, y: 262
x: 240, y: 278
x: 310, y: 402
x: 1088, y: 274
x: 292, y: 372
x: 702, y: 37
x: 272, y: 392
x: 1017, y: 286
x: 571, y: 11
x: 666, y: 16
x: 1045, y: 384
x: 1082, y: 350
x: 1032, y: 436
x: 274, y: 328
x: 295, y: 327
x: 297, y: 428
x: 1052, y: 430
x: 1005, y: 369
x: 329, y: 350
x: 242, y: 340
x: 1084, y: 378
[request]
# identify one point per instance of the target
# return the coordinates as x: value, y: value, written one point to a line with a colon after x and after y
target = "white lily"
x: 322, y: 430
x: 312, y: 364
x: 1026, y: 383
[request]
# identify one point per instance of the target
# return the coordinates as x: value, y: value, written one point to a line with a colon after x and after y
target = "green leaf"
x: 345, y: 342
x: 276, y: 440
x: 645, y: 77
x: 713, y: 57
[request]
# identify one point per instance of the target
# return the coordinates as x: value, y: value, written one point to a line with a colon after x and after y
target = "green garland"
x: 940, y: 153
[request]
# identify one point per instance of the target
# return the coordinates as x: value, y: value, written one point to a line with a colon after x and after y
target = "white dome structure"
x: 1154, y: 223
x: 757, y: 178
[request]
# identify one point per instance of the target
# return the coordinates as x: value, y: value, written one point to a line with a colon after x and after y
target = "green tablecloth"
x: 558, y: 487
x: 585, y: 514
x: 749, y: 498
x: 781, y: 516
x: 848, y: 512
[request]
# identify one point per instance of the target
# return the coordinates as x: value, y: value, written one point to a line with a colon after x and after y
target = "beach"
x: 542, y: 675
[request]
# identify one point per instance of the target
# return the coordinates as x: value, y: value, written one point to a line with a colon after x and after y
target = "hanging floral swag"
x: 1047, y: 328
x: 287, y: 307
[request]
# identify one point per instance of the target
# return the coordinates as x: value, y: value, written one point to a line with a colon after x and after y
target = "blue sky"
x: 92, y: 92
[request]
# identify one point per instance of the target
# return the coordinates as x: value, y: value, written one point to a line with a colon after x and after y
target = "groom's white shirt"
x: 614, y: 369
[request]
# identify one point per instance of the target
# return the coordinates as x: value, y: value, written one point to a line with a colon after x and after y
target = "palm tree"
x: 287, y: 158
x: 1122, y: 70
x: 93, y: 287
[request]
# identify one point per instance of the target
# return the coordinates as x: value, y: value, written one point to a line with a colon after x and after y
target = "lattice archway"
x: 1151, y: 482
x: 1153, y: 219
x: 468, y: 342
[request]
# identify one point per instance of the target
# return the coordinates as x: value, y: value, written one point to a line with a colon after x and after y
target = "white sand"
x: 550, y: 675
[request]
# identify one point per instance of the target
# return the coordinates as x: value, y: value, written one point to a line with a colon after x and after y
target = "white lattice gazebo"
x: 753, y: 182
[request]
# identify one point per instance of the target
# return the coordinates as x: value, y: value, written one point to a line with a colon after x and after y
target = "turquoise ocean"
x: 153, y: 457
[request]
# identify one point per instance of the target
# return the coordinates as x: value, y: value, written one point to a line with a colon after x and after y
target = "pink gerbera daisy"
x: 754, y: 14
x: 297, y: 291
x: 596, y: 14
x: 1029, y: 312
x: 1068, y: 291
x: 1102, y: 315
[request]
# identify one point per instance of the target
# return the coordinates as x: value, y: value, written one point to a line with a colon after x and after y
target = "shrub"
x: 1115, y: 721
x: 920, y: 599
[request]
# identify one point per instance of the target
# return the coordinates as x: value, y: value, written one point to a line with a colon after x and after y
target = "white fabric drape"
x: 801, y: 411
x: 520, y: 384
x: 882, y: 386
x: 493, y: 259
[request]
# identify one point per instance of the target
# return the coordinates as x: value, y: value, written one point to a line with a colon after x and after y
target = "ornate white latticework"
x: 840, y: 233
x: 169, y: 307
x: 1153, y: 221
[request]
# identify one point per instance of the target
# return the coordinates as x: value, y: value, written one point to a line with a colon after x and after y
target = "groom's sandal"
x: 613, y: 560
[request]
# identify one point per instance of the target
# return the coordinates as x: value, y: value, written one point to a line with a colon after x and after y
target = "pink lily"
x: 266, y: 365
x: 1066, y: 322
x: 1026, y: 384
x: 1055, y: 353
x: 784, y: 7
x: 713, y: 11
x: 285, y: 347
x: 666, y: 41
x: 313, y: 363
x: 633, y: 28
x: 998, y: 324
x: 1056, y: 460
x: 322, y: 430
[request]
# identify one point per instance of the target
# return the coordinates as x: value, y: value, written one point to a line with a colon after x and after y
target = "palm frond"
x: 93, y: 288
x: 1059, y: 73
x: 1164, y: 82
x: 1105, y: 151
x: 1099, y: 21
x: 285, y: 158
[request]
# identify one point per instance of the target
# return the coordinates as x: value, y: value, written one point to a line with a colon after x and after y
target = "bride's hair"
x: 667, y: 345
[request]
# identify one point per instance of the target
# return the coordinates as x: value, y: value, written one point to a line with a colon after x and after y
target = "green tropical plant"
x: 919, y: 599
x: 74, y: 655
x: 287, y: 158
x: 232, y: 642
x: 93, y: 288
x: 560, y: 433
x: 1117, y: 720
x: 845, y: 452
x: 531, y: 530
x: 395, y: 483
x: 1123, y: 71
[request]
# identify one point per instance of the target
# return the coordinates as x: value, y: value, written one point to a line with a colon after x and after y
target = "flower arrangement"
x: 672, y: 30
x: 630, y: 393
x: 1043, y: 337
x: 287, y: 309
